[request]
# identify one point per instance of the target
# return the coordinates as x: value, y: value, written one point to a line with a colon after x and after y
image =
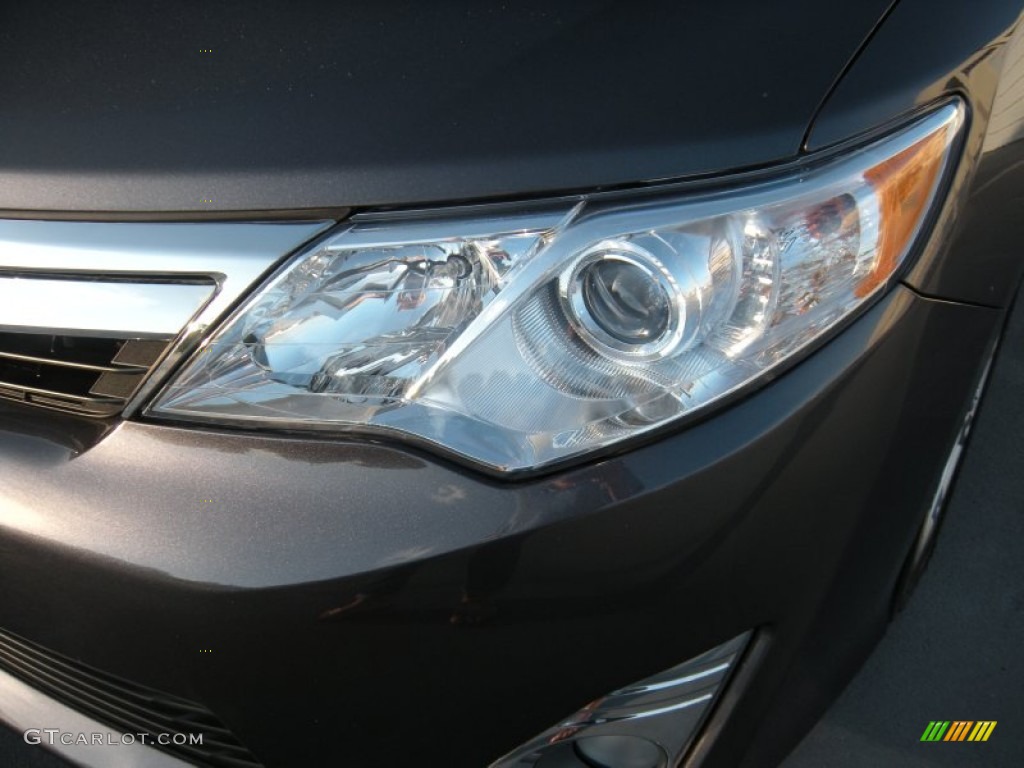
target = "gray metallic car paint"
x: 313, y: 104
x: 350, y: 586
x: 339, y: 578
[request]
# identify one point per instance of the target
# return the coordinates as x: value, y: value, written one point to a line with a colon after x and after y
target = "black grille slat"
x: 87, y: 686
x: 84, y: 701
x: 40, y: 657
x: 62, y: 348
x: 117, y: 385
x: 85, y: 375
x: 47, y: 378
x: 140, y: 354
x: 88, y: 406
x: 109, y: 710
x: 125, y: 705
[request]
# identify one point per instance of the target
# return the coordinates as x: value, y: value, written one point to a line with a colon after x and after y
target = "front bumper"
x: 368, y: 605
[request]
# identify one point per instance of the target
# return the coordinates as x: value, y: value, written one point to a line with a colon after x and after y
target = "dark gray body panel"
x: 316, y: 104
x: 791, y: 510
x: 327, y: 573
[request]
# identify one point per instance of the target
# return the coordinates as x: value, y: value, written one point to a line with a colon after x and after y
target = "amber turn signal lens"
x: 904, y: 186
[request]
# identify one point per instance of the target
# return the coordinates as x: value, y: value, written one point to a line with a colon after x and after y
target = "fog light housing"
x: 648, y: 724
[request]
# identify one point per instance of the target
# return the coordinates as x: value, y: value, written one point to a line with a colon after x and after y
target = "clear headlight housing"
x: 518, y: 338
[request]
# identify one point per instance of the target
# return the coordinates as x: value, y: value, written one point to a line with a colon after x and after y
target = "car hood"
x: 141, y: 107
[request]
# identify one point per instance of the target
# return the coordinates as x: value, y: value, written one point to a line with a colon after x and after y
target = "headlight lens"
x: 519, y: 339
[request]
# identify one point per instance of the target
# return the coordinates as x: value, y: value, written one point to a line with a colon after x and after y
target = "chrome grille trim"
x: 162, y: 283
x: 90, y: 307
x: 60, y: 363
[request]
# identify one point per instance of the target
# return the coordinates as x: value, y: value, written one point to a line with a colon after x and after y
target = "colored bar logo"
x: 958, y: 730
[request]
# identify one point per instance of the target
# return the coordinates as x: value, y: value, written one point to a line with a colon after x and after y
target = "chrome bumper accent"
x: 665, y: 710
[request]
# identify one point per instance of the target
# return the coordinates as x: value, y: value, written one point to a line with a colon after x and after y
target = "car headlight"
x: 518, y: 337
